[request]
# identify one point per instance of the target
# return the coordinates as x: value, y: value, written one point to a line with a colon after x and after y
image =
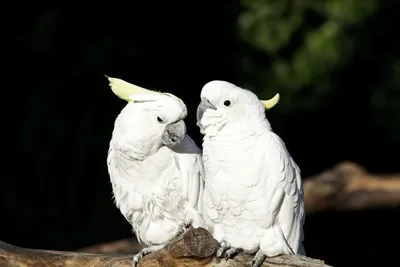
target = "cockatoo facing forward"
x: 155, y: 169
x: 253, y: 195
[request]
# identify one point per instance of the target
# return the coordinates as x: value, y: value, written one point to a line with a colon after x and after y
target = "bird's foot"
x: 227, y: 252
x: 258, y: 259
x: 143, y: 253
x: 222, y: 249
x: 232, y: 252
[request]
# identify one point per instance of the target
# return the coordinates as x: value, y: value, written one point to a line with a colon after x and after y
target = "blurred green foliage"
x: 320, y: 31
x: 311, y: 44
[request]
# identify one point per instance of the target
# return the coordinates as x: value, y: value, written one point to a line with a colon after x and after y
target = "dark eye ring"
x: 159, y: 119
x: 227, y: 103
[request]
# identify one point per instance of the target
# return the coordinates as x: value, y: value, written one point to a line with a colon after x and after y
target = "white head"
x: 149, y: 121
x: 226, y: 106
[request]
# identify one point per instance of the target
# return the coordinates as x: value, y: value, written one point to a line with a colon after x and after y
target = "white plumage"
x: 155, y: 169
x: 253, y: 196
x: 156, y: 195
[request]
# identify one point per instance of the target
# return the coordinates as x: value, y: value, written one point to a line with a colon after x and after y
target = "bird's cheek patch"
x: 212, y: 117
x: 207, y: 117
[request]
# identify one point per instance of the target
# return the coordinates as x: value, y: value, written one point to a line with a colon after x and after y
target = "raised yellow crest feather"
x: 270, y: 103
x: 125, y: 90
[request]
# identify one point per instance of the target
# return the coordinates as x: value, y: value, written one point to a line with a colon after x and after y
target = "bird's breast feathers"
x: 149, y: 195
x: 251, y: 180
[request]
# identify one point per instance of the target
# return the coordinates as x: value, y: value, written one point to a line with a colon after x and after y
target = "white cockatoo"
x: 155, y: 168
x: 253, y: 196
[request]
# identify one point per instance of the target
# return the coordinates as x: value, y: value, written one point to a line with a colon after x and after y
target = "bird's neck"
x: 138, y: 167
x: 130, y: 151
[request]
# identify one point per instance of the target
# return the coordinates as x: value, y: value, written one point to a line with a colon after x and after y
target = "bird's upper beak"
x: 174, y: 134
x: 203, y: 106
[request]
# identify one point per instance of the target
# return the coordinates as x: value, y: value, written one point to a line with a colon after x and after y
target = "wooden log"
x: 196, y: 248
x: 349, y: 186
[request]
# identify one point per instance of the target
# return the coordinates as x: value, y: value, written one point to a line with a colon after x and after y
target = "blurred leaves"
x: 346, y: 11
x: 310, y: 49
x: 306, y: 41
x: 269, y: 24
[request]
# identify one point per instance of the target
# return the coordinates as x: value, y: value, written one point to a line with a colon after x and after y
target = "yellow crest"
x: 270, y: 103
x: 125, y: 90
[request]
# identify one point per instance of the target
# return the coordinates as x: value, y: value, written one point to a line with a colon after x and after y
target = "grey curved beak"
x: 203, y: 106
x: 174, y: 134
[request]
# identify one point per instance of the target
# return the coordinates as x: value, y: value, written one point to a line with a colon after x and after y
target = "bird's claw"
x: 258, y: 259
x: 221, y: 250
x: 232, y: 252
x: 143, y: 253
x: 137, y: 258
x: 227, y: 252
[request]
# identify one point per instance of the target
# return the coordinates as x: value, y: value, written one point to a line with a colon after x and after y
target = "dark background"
x: 336, y: 65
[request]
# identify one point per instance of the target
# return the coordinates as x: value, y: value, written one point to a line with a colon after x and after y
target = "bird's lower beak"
x: 174, y: 134
x: 203, y: 106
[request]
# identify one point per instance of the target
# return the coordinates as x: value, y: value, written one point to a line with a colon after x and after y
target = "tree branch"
x: 122, y: 246
x: 12, y: 256
x: 349, y: 186
x: 194, y: 248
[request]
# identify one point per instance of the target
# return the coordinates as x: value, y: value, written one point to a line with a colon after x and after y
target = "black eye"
x: 227, y: 103
x: 159, y: 119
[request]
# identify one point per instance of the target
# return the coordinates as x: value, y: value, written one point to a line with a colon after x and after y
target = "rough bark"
x: 194, y: 248
x: 12, y: 256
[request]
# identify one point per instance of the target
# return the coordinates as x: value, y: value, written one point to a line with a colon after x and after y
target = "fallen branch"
x: 348, y: 186
x: 194, y: 248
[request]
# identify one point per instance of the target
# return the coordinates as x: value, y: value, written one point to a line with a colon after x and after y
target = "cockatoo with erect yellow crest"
x: 155, y: 168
